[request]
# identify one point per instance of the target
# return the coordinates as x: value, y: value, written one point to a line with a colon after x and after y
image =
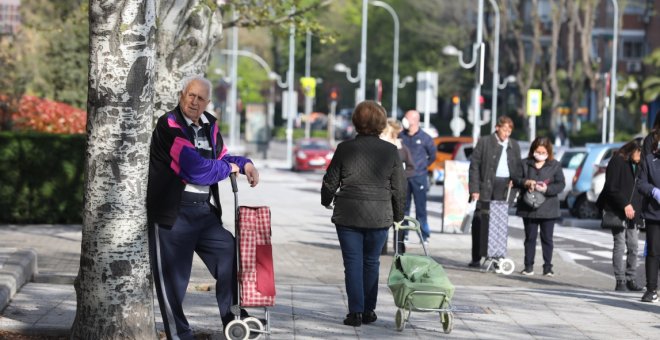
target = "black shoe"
x: 474, y: 264
x: 650, y: 296
x: 620, y: 286
x: 353, y: 319
x: 633, y: 287
x: 369, y: 317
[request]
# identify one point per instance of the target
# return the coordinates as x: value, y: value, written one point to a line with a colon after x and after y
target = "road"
x: 581, y: 241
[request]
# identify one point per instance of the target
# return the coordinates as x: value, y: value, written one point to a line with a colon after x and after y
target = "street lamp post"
x: 362, y: 67
x: 308, y: 98
x: 615, y: 42
x: 233, y: 90
x: 293, y: 102
x: 496, y: 65
x: 479, y: 76
x: 395, y: 62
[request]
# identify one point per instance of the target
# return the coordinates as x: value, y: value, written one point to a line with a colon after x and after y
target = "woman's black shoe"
x: 353, y: 319
x: 369, y: 317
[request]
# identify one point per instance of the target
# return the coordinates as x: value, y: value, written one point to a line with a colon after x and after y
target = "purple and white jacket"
x: 174, y: 162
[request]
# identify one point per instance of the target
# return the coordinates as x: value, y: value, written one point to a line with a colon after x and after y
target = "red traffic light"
x: 481, y: 100
x: 644, y: 109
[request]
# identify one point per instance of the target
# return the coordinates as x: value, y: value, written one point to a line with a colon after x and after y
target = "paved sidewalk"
x: 311, y: 301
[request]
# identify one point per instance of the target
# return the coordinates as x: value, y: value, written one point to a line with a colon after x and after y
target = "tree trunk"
x: 572, y: 79
x: 130, y: 59
x: 187, y: 33
x: 526, y: 66
x: 557, y: 10
x: 114, y: 284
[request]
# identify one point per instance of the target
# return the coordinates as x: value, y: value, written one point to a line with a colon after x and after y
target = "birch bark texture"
x: 114, y: 285
x: 187, y: 32
x: 140, y: 50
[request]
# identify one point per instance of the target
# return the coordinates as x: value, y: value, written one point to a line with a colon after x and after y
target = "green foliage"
x: 52, y: 51
x: 252, y: 80
x: 651, y: 85
x: 590, y: 133
x: 41, y: 178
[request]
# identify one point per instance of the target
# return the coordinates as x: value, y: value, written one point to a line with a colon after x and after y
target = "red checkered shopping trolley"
x: 254, y: 260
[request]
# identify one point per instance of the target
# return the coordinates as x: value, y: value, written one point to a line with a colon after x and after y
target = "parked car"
x: 570, y: 160
x: 343, y: 125
x: 445, y: 147
x: 598, y: 182
x: 312, y: 154
x: 463, y: 152
x: 577, y: 201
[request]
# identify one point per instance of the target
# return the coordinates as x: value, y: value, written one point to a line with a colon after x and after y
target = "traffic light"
x: 644, y: 109
x: 334, y: 94
x: 455, y: 100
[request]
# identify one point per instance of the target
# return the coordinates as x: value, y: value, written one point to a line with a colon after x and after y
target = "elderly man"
x: 422, y: 150
x: 187, y: 160
x: 494, y: 163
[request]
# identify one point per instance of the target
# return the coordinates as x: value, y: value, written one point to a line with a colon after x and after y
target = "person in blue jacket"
x: 187, y: 160
x: 422, y: 149
x: 649, y: 186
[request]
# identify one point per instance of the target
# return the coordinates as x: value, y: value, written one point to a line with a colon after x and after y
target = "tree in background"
x: 651, y: 85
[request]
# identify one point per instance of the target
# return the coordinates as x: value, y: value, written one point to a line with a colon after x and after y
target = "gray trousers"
x: 625, y: 241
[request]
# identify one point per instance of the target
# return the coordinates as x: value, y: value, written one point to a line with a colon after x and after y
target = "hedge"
x: 41, y: 177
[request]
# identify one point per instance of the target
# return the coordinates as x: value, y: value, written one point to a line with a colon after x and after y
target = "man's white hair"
x: 186, y: 82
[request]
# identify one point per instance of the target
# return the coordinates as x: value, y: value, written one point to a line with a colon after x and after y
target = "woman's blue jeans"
x: 360, y: 249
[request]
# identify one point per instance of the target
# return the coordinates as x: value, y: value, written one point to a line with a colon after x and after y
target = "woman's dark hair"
x: 544, y: 142
x: 369, y: 118
x: 629, y: 148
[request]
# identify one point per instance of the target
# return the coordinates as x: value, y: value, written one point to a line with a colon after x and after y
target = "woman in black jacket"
x: 366, y: 183
x: 542, y: 173
x: 620, y: 197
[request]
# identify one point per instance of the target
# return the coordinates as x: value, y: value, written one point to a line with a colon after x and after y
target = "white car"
x: 570, y: 160
x: 598, y: 181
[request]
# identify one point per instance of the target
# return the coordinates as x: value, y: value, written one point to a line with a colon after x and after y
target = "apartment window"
x: 633, y: 49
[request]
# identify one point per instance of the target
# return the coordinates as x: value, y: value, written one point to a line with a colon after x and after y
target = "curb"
x: 17, y: 267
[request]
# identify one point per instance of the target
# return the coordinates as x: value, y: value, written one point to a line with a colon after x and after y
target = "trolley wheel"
x: 237, y: 330
x: 507, y: 266
x: 254, y: 324
x: 447, y: 320
x: 497, y: 264
x: 400, y: 319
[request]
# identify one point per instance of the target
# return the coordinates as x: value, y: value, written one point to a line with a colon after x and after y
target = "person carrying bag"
x: 621, y: 204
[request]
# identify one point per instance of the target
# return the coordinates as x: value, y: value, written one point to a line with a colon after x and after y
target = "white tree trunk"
x: 187, y: 32
x: 136, y: 66
x: 114, y: 284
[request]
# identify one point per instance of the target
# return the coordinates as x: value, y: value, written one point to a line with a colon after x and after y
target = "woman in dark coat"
x: 649, y: 187
x: 543, y: 173
x: 366, y: 183
x: 620, y: 196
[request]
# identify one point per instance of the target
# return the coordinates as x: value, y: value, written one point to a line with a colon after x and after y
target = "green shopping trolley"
x: 419, y: 284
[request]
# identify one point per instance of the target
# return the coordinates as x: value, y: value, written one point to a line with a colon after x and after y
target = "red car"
x: 312, y: 154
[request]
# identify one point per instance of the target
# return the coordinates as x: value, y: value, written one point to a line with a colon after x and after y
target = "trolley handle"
x: 414, y: 226
x: 234, y: 186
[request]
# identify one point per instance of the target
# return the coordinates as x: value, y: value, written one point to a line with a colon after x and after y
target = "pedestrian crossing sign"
x: 534, y: 101
x: 308, y: 85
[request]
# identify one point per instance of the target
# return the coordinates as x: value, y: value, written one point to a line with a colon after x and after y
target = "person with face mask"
x: 422, y: 150
x: 495, y: 161
x: 541, y: 173
x: 649, y: 187
x: 620, y: 197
